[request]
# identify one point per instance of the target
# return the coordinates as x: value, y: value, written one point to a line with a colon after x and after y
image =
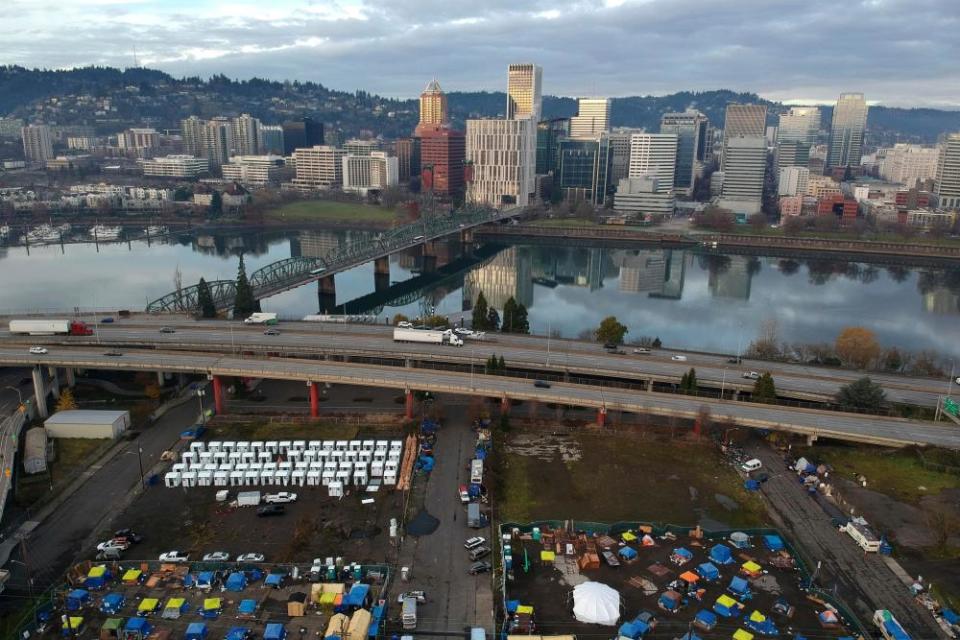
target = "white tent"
x: 596, y: 603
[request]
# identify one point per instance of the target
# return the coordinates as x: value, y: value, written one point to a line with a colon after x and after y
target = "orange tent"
x: 689, y: 577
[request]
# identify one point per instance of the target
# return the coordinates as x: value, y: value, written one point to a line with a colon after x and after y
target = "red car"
x: 464, y: 494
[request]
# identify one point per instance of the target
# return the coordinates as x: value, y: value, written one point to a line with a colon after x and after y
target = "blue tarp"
x: 205, y: 579
x: 738, y: 586
x: 706, y: 619
x: 683, y: 553
x: 237, y: 633
x: 138, y: 625
x: 708, y: 571
x: 196, y: 631
x: 512, y: 606
x: 77, y: 599
x: 357, y: 595
x: 236, y: 582
x: 111, y: 603
x: 634, y: 629
x: 274, y: 631
x: 765, y: 628
x: 894, y: 630
x: 950, y: 616
x: 628, y: 553
x: 274, y: 580
x: 670, y: 601
x: 773, y: 542
x: 689, y: 635
x: 426, y: 463
x: 480, y: 453
x: 247, y: 607
x: 751, y: 485
x: 721, y: 554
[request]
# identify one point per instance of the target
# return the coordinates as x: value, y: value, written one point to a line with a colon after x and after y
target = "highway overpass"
x: 811, y: 423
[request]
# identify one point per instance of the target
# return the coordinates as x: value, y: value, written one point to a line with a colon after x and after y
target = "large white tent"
x: 596, y: 603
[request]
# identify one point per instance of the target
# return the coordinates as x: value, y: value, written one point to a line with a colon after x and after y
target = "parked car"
x: 751, y: 465
x: 113, y: 354
x: 641, y: 351
x: 167, y: 330
x: 464, y: 494
x: 217, y: 556
x: 753, y: 375
x: 679, y: 358
x: 479, y: 567
x: 617, y: 352
x: 116, y: 543
x: 109, y: 554
x: 283, y: 497
x: 734, y: 360
x: 474, y: 542
x: 174, y: 556
x: 271, y: 332
x: 479, y: 552
x: 129, y: 534
x: 540, y: 384
x: 271, y: 510
x: 251, y: 557
x: 463, y: 331
x: 38, y: 351
x: 403, y: 324
x: 421, y: 596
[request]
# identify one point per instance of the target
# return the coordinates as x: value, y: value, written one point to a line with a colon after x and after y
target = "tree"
x: 244, y: 303
x: 611, y: 331
x: 758, y: 222
x: 514, y: 317
x: 688, y: 382
x: 861, y: 394
x: 398, y: 318
x: 857, y: 346
x: 501, y: 364
x: 216, y: 205
x: 479, y: 320
x: 493, y: 320
x: 892, y: 360
x: 656, y: 344
x: 763, y: 389
x: 205, y: 304
x: 66, y: 401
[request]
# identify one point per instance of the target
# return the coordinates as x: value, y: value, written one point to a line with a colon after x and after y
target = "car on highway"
x: 271, y: 510
x: 113, y: 354
x: 463, y: 331
x: 38, y: 351
x: 479, y: 567
x: 174, y: 556
x: 641, y: 351
x: 474, y: 542
x: 464, y: 494
x: 616, y: 352
x: 420, y: 596
x: 167, y: 330
x: 271, y: 332
x: 217, y: 556
x: 403, y: 324
x: 752, y: 375
x: 251, y: 557
x: 540, y: 384
x: 106, y: 320
x: 115, y: 543
x: 734, y: 360
x: 129, y: 534
x: 283, y: 497
x: 678, y: 358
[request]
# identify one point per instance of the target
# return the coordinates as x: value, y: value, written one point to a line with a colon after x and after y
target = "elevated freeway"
x: 808, y: 422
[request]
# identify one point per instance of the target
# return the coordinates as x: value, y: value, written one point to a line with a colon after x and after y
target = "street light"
x: 20, y: 395
x: 140, y: 463
x: 200, y: 394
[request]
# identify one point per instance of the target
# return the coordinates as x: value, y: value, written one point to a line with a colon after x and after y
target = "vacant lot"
x: 329, y: 211
x: 605, y: 476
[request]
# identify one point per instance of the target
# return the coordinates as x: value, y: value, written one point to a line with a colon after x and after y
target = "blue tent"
x: 274, y: 580
x: 950, y: 616
x: 77, y: 599
x: 634, y: 629
x: 628, y: 553
x: 236, y: 582
x: 669, y: 601
x: 512, y: 606
x: 357, y: 596
x: 773, y: 542
x: 751, y: 485
x: 684, y: 553
x: 196, y: 631
x: 689, y: 635
x: 426, y: 463
x: 721, y: 554
x: 137, y: 628
x: 274, y: 631
x: 706, y: 620
x: 247, y: 607
x: 237, y: 633
x: 111, y: 603
x: 708, y: 571
x: 205, y: 580
x: 764, y: 627
x: 377, y: 614
x: 739, y: 586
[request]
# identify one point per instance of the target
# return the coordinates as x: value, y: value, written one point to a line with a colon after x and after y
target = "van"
x: 478, y: 553
x: 751, y: 465
x: 408, y: 615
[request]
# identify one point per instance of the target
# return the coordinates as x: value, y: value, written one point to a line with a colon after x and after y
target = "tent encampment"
x: 112, y: 603
x: 596, y: 603
x: 773, y: 542
x: 738, y: 586
x: 708, y: 571
x: 721, y: 554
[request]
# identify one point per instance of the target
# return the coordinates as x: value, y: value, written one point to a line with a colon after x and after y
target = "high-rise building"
x: 138, y: 140
x: 374, y: 171
x: 908, y: 163
x: 799, y: 124
x: 218, y: 139
x: 524, y: 91
x: 583, y: 169
x: 305, y: 132
x: 191, y: 130
x: 502, y: 154
x: 37, y: 143
x: 654, y: 154
x: 271, y: 139
x: 793, y: 181
x: 433, y: 106
x: 319, y: 167
x: 948, y: 173
x: 690, y: 128
x: 620, y: 153
x: 592, y: 119
x: 10, y: 128
x: 743, y: 120
x: 408, y: 158
x: 549, y: 133
x: 792, y: 153
x: 246, y: 135
x: 846, y: 131
x: 745, y: 164
x: 358, y: 147
x: 442, y: 154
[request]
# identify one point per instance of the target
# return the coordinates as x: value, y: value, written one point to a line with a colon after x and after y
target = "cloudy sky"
x: 898, y: 52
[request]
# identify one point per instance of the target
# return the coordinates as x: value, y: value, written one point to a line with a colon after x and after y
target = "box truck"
x: 50, y: 327
x: 261, y: 318
x: 408, y: 615
x: 428, y: 336
x: 476, y: 471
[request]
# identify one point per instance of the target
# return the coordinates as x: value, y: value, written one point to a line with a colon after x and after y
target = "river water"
x: 692, y: 301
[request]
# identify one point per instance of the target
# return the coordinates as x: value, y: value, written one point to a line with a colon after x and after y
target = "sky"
x: 897, y: 52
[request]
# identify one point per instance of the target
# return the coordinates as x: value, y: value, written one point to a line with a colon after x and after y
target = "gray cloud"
x: 897, y: 52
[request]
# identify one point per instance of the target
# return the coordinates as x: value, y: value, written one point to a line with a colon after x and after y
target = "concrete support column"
x: 381, y: 274
x: 54, y: 383
x: 736, y: 395
x: 70, y: 376
x: 812, y: 438
x: 504, y: 405
x: 408, y: 363
x: 602, y: 416
x: 218, y: 403
x: 161, y: 380
x: 327, y: 294
x: 314, y: 399
x: 40, y: 392
x: 408, y: 405
x: 650, y: 385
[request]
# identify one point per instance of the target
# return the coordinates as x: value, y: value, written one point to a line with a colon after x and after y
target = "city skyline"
x: 353, y: 44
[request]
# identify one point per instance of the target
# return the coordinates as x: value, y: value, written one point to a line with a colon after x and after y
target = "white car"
x: 120, y: 545
x: 250, y: 557
x: 462, y: 331
x: 751, y: 465
x: 217, y: 556
x: 403, y: 324
x: 957, y: 380
x: 420, y: 596
x: 174, y: 556
x: 283, y: 497
x: 38, y: 351
x: 753, y: 375
x: 679, y: 358
x: 641, y: 350
x: 473, y: 543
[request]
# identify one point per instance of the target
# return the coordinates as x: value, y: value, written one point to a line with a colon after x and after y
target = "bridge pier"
x: 161, y: 380
x: 408, y: 404
x: 54, y: 383
x: 314, y: 399
x: 381, y: 274
x: 504, y: 406
x: 650, y: 385
x: 602, y: 416
x: 218, y: 403
x: 811, y: 439
x: 40, y: 392
x: 70, y: 376
x: 327, y: 294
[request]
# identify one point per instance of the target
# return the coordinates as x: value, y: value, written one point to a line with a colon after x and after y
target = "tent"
x: 689, y: 577
x: 773, y: 542
x: 628, y: 553
x: 761, y: 624
x: 751, y: 569
x: 689, y: 635
x: 205, y: 580
x: 705, y: 620
x: 111, y: 628
x: 77, y: 599
x: 247, y: 609
x: 274, y: 631
x: 648, y: 541
x: 828, y: 618
x: 97, y: 577
x: 751, y: 485
x: 670, y: 601
x: 721, y: 554
x: 596, y: 603
x: 950, y: 616
x: 111, y: 603
x: 196, y: 631
x: 628, y: 536
x: 547, y: 556
x: 804, y: 466
x: 175, y: 608
x: 681, y: 556
x: 136, y: 629
x: 359, y: 625
x: 147, y: 606
x: 337, y: 625
x: 740, y: 634
x: 740, y: 540
x: 237, y: 581
x: 739, y: 586
x: 727, y: 607
x: 211, y: 608
x: 634, y: 629
x: 708, y: 571
x: 357, y: 596
x: 133, y: 576
x: 274, y: 580
x: 72, y: 626
x: 237, y: 633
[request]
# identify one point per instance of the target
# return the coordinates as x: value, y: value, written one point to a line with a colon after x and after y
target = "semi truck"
x: 428, y: 336
x: 50, y: 327
x: 261, y: 318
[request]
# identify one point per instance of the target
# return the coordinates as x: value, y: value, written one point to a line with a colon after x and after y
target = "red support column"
x: 602, y: 416
x: 218, y: 395
x: 314, y: 399
x: 409, y: 405
x: 504, y: 405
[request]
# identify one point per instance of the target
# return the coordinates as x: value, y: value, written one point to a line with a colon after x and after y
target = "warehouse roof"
x: 85, y: 416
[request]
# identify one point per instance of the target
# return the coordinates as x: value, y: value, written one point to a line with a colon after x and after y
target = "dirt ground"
x: 549, y: 590
x: 609, y: 476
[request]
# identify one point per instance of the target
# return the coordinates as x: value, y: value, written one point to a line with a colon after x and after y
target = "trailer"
x: 261, y: 318
x: 476, y: 471
x: 426, y: 336
x: 409, y: 613
x: 50, y: 328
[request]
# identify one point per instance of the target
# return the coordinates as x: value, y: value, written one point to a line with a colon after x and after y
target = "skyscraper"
x: 745, y: 164
x: 654, y: 154
x: 433, y: 106
x: 524, y: 91
x: 549, y: 133
x: 799, y: 124
x: 271, y: 139
x: 502, y: 154
x: 620, y: 153
x: 408, y: 158
x: 583, y: 169
x: 592, y: 119
x: 246, y: 135
x: 948, y: 173
x: 218, y: 138
x: 37, y: 144
x: 297, y: 134
x: 690, y: 128
x: 846, y: 131
x: 194, y: 142
x: 442, y: 154
x: 743, y: 120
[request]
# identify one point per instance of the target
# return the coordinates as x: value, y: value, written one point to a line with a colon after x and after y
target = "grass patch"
x: 267, y: 430
x: 565, y: 222
x: 73, y: 456
x: 329, y: 211
x: 897, y: 473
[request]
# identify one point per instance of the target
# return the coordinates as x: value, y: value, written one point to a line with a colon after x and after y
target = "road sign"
x: 950, y: 407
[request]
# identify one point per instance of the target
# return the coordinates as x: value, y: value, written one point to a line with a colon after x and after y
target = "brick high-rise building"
x: 442, y: 153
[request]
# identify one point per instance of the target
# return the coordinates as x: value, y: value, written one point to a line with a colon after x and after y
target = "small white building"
x: 86, y: 423
x: 35, y: 451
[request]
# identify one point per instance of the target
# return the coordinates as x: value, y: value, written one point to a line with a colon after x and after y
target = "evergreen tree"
x: 521, y: 324
x: 861, y: 394
x: 216, y: 205
x: 764, y: 389
x: 480, y: 313
x: 509, y: 315
x: 501, y: 365
x: 493, y: 320
x: 244, y: 304
x: 205, y: 300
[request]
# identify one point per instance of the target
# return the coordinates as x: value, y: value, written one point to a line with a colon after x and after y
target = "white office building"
x: 654, y: 154
x: 503, y: 158
x: 246, y: 135
x: 619, y: 138
x: 358, y: 147
x: 908, y: 163
x: 592, y: 119
x: 744, y: 168
x: 948, y: 173
x: 174, y: 166
x: 319, y: 167
x: 641, y: 195
x: 254, y: 170
x: 373, y: 172
x: 793, y: 181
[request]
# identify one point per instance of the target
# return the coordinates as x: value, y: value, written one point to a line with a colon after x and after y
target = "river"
x: 716, y: 303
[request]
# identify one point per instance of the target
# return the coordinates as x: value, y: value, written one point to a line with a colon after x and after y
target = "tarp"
x: 148, y: 605
x: 196, y: 631
x: 773, y: 542
x: 738, y: 586
x: 750, y: 567
x: 726, y: 606
x: 751, y: 485
x: 131, y: 576
x: 628, y: 553
x: 112, y: 624
x: 525, y: 609
x: 237, y: 633
x: 670, y: 600
x: 205, y: 579
x: 740, y: 634
x: 547, y: 556
x: 73, y: 623
x: 175, y: 607
x: 357, y: 595
x: 689, y: 577
x: 596, y: 603
x: 689, y: 635
x: 682, y: 552
x: 77, y: 599
x: 236, y: 582
x: 274, y: 580
x: 212, y: 604
x: 721, y: 554
x: 247, y: 607
x: 337, y: 625
x: 648, y: 540
x: 828, y: 617
x: 111, y: 603
x: 97, y: 572
x: 137, y: 625
x: 628, y: 536
x: 705, y: 619
x: 274, y: 631
x: 739, y: 539
x: 950, y: 616
x: 708, y: 571
x: 634, y: 629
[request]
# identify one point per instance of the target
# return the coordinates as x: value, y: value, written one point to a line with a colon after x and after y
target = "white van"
x: 751, y: 465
